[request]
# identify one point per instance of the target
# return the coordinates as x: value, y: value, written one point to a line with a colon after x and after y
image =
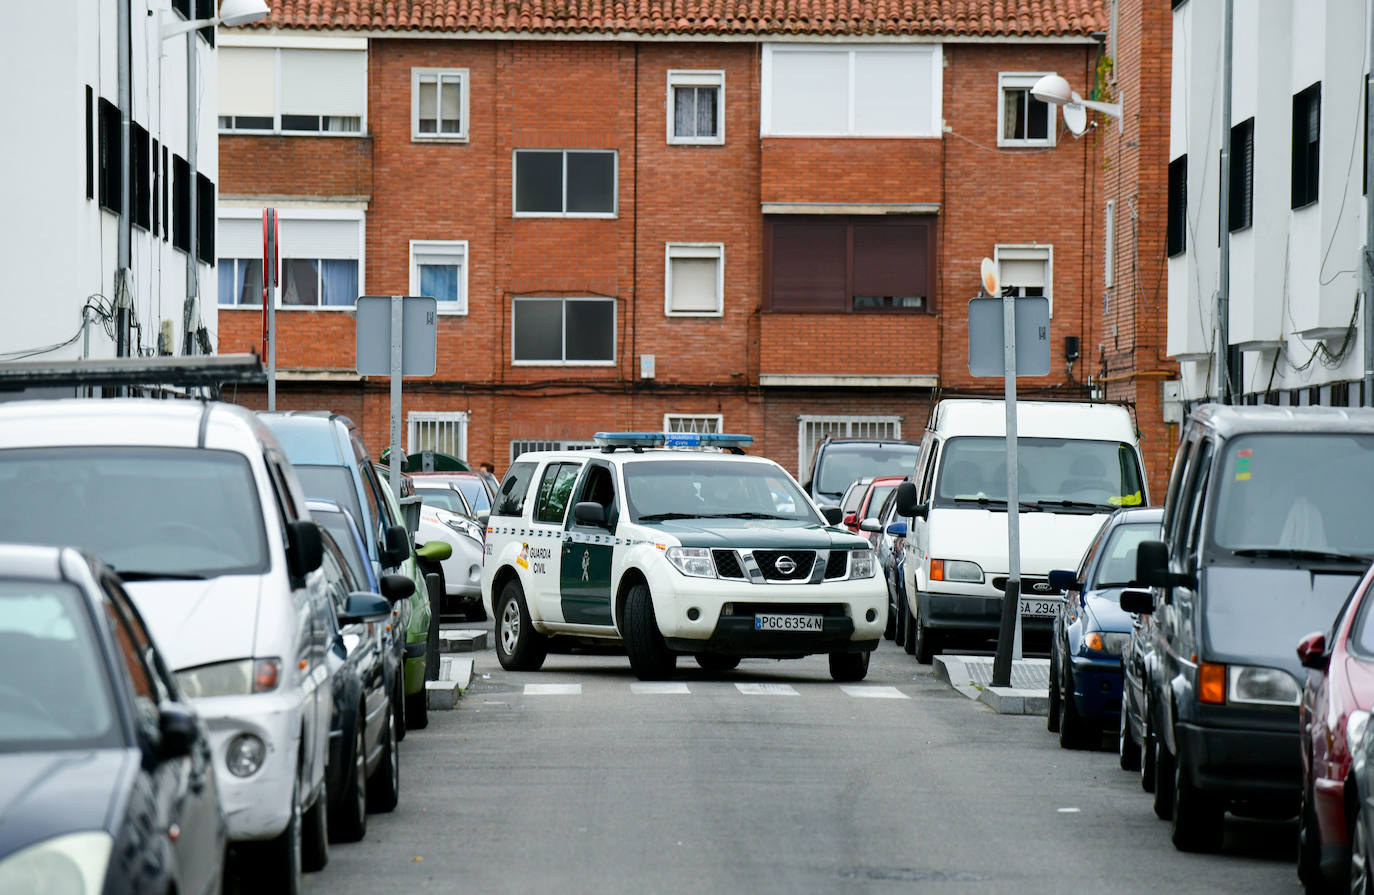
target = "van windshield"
x: 1296, y: 492
x: 149, y: 512
x: 841, y: 463
x: 1053, y: 473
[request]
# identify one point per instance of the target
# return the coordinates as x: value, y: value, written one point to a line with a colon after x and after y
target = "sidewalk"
x: 972, y: 676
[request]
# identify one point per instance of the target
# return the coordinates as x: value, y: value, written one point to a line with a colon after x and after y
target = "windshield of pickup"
x: 149, y: 512
x: 1053, y: 473
x: 660, y: 490
x: 1296, y: 492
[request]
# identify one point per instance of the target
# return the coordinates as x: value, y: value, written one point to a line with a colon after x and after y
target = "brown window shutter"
x: 890, y: 260
x: 807, y: 266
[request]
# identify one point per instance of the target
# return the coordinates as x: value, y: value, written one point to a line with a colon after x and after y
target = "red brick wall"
x: 853, y: 170
x: 295, y: 166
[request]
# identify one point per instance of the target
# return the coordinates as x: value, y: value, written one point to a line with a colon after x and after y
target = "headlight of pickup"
x: 862, y: 564
x: 693, y: 561
x: 66, y: 865
x: 238, y: 678
x: 1262, y: 686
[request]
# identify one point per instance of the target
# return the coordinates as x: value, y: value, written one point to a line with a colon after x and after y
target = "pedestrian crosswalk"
x: 682, y: 688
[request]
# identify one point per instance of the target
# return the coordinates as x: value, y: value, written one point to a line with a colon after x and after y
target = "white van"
x: 1076, y: 464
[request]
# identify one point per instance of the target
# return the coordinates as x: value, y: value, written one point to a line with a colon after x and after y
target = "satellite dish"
x: 988, y: 272
x: 1076, y: 117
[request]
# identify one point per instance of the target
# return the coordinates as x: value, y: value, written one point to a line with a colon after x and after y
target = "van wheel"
x: 899, y: 630
x: 716, y: 662
x: 921, y: 642
x: 349, y: 819
x: 1197, y: 820
x: 650, y: 658
x: 519, y: 647
x: 849, y: 667
x: 1164, y: 781
x: 1127, y: 749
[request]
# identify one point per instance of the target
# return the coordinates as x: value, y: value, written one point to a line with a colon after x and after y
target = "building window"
x: 292, y: 91
x: 140, y: 174
x: 1025, y: 270
x: 696, y: 107
x: 525, y: 445
x: 110, y: 155
x: 1307, y: 120
x: 563, y: 331
x: 439, y: 270
x: 1241, y: 210
x: 321, y: 259
x: 837, y: 264
x: 439, y: 104
x: 446, y: 433
x: 558, y: 182
x: 695, y: 279
x: 181, y: 204
x: 811, y: 429
x: 697, y: 422
x: 319, y: 282
x: 1023, y: 120
x: 205, y: 219
x: 240, y: 281
x: 837, y: 91
x: 1178, y: 206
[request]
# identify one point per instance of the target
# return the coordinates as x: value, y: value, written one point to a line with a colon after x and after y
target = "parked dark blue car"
x: 1089, y: 635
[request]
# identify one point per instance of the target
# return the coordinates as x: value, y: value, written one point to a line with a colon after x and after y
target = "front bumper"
x: 1097, y: 687
x: 257, y: 806
x: 1242, y: 763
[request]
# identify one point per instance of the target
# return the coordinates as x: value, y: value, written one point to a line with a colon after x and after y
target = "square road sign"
x: 986, y: 346
x: 419, y: 335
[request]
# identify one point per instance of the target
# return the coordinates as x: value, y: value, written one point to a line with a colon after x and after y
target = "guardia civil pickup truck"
x: 675, y: 544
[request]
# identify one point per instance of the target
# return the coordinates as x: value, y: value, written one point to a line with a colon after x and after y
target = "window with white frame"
x: 565, y: 182
x: 525, y: 445
x: 696, y: 107
x: 1025, y: 270
x: 694, y: 422
x: 445, y: 432
x: 439, y: 269
x: 694, y: 279
x: 1022, y: 119
x: 293, y: 90
x: 817, y: 90
x: 811, y: 429
x: 571, y: 331
x: 320, y: 253
x: 439, y: 104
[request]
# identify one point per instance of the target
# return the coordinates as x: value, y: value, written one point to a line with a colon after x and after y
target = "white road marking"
x: 873, y: 692
x: 659, y: 688
x: 553, y: 689
x: 1068, y: 810
x: 767, y: 689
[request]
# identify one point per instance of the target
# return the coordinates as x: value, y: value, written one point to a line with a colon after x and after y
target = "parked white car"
x: 196, y: 507
x: 445, y: 515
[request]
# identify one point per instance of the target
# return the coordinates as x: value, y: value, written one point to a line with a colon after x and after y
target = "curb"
x: 455, y: 676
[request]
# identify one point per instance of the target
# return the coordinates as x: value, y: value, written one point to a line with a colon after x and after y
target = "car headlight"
x: 1110, y: 644
x: 862, y: 564
x: 693, y: 561
x: 245, y: 755
x: 237, y: 678
x: 1354, y: 731
x: 462, y: 525
x: 956, y: 570
x: 1262, y: 686
x: 74, y: 864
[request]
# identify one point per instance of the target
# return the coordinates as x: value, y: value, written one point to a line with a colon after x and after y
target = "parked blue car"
x: 1092, y: 630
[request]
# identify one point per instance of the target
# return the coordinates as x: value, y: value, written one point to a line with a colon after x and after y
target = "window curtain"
x: 340, y: 282
x: 439, y: 281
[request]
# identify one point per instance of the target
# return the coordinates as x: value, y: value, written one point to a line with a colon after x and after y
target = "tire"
x: 278, y: 863
x: 1360, y: 868
x: 1075, y: 731
x: 890, y: 629
x: 398, y: 705
x: 384, y: 786
x: 1052, y: 716
x: 923, y: 643
x: 899, y: 629
x: 909, y: 633
x: 1147, y: 752
x: 417, y: 710
x: 1164, y: 779
x: 518, y: 646
x: 348, y: 820
x: 650, y: 658
x: 315, y: 834
x: 716, y: 662
x: 1197, y: 819
x: 1309, y: 845
x: 846, y: 668
x: 1127, y: 749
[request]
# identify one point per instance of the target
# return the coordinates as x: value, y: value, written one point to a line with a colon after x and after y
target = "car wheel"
x: 1164, y: 781
x: 518, y: 646
x: 1360, y: 881
x: 650, y: 658
x: 1197, y: 819
x: 899, y: 629
x: 348, y: 821
x: 716, y: 662
x: 315, y: 833
x: 1052, y: 716
x: 277, y: 863
x: 1147, y: 751
x: 398, y: 705
x: 890, y: 629
x: 1127, y: 749
x: 384, y: 786
x: 1075, y: 731
x: 846, y: 668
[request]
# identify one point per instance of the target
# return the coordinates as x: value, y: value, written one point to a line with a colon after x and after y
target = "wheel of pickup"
x: 716, y: 662
x: 650, y: 658
x: 1197, y: 819
x: 845, y: 668
x: 519, y: 647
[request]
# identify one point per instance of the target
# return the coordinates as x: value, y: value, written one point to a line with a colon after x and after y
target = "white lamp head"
x: 1051, y: 89
x: 241, y: 12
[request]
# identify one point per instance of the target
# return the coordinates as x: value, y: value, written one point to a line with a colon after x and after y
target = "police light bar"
x: 641, y: 440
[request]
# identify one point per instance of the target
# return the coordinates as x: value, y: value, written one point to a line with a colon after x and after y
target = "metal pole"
x: 1368, y: 277
x: 397, y: 324
x: 1009, y: 631
x: 1224, y: 372
x: 192, y: 144
x: 123, y: 329
x: 269, y: 282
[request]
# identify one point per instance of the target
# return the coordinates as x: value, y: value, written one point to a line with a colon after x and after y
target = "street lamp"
x: 231, y: 13
x: 1055, y: 90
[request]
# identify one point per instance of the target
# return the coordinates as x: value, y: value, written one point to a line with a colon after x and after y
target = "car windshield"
x: 1117, y: 568
x: 444, y: 499
x: 475, y: 493
x: 877, y: 499
x: 694, y: 489
x: 1052, y: 473
x: 149, y: 512
x: 841, y: 464
x: 1296, y: 492
x: 337, y: 525
x: 54, y: 694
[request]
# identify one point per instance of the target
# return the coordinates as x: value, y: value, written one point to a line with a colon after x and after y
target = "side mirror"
x: 178, y: 729
x: 484, y: 516
x: 396, y: 588
x: 365, y: 607
x: 589, y: 512
x: 870, y: 524
x: 1152, y: 567
x: 897, y: 529
x: 906, y: 500
x: 304, y: 548
x: 833, y: 515
x: 851, y: 521
x: 1064, y: 579
x: 434, y: 551
x: 1312, y: 652
x: 396, y: 546
x: 1137, y: 602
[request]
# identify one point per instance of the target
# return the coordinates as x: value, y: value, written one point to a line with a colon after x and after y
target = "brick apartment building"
x: 762, y: 217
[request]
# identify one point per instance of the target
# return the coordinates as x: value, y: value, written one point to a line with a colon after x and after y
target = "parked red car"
x: 1336, y: 700
x: 871, y: 502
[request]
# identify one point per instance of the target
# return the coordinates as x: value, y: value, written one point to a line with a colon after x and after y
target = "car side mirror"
x: 851, y: 521
x: 304, y: 548
x: 1312, y: 652
x: 396, y: 588
x: 589, y: 512
x: 1064, y: 579
x: 396, y: 545
x: 484, y: 516
x: 365, y: 607
x: 833, y: 515
x: 178, y: 731
x: 1137, y: 602
x: 897, y: 529
x: 434, y: 551
x: 871, y: 524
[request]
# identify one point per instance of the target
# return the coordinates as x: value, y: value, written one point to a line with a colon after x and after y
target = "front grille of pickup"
x: 751, y: 609
x: 838, y: 564
x: 727, y: 564
x: 785, y: 565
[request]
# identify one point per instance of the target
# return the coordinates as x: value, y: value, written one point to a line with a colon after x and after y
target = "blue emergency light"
x: 637, y: 441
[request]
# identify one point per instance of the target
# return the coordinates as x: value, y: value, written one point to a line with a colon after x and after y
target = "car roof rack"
x: 638, y: 441
x: 201, y: 371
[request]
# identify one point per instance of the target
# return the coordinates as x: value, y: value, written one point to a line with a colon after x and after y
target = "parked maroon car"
x: 1336, y: 700
x: 872, y: 503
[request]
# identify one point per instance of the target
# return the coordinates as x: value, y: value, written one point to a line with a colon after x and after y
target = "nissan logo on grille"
x: 785, y: 564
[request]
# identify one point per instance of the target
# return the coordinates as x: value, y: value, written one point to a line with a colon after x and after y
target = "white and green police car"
x: 717, y: 555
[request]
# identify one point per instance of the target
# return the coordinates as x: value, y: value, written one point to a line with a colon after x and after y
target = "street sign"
x: 419, y: 335
x: 986, y: 341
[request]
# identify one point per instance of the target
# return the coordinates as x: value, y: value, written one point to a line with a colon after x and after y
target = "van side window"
x: 931, y: 458
x: 510, y: 500
x: 1171, y: 500
x: 1188, y: 502
x: 1204, y: 467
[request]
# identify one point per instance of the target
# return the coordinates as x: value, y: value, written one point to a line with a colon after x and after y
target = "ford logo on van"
x: 1042, y: 587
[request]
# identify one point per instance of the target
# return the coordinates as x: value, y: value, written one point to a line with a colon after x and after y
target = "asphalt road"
x: 898, y: 785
